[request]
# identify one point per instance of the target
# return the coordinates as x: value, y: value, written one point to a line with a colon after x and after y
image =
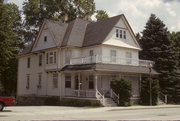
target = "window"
x: 27, y: 81
x: 28, y: 62
x: 51, y: 57
x: 45, y: 38
x: 91, y: 53
x: 91, y: 82
x: 124, y: 34
x: 39, y: 80
x: 55, y: 80
x: 40, y: 60
x: 128, y: 57
x: 113, y: 56
x: 120, y: 33
x: 67, y: 81
x: 68, y: 56
x: 54, y: 57
x: 47, y: 57
x: 117, y: 33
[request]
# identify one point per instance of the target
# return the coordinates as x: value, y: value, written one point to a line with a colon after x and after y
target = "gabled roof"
x: 79, y: 33
x: 98, y: 31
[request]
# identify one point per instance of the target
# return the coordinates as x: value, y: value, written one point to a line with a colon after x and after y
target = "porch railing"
x: 163, y: 98
x: 114, y: 96
x: 80, y: 93
x: 100, y: 97
x: 110, y: 60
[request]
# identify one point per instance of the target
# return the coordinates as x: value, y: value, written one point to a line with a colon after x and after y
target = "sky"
x: 138, y: 12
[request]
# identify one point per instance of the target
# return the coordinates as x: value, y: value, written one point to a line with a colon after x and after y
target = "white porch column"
x: 96, y: 78
x: 79, y: 84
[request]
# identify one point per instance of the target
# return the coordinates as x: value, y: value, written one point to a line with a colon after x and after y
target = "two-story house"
x: 79, y: 59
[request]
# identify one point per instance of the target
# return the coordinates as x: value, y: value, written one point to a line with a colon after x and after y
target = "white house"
x: 79, y: 59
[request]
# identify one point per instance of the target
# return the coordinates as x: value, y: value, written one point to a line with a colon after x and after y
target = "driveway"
x: 102, y: 113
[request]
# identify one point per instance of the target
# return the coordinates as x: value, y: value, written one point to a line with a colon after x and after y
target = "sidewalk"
x: 142, y: 107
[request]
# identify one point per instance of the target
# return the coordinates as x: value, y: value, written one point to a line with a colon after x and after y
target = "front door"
x: 105, y: 82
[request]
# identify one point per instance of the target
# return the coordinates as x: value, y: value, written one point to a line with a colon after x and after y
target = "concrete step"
x: 109, y: 102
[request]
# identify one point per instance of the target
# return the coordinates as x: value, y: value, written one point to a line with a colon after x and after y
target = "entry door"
x: 105, y: 81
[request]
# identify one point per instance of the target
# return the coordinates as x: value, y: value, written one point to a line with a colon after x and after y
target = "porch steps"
x: 109, y: 102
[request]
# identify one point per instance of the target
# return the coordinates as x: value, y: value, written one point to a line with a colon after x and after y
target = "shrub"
x: 145, y: 91
x: 123, y: 88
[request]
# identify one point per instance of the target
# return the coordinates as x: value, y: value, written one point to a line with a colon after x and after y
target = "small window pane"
x: 45, y: 38
x: 39, y: 80
x: 54, y: 57
x: 120, y: 33
x: 40, y: 60
x: 117, y: 33
x: 28, y: 62
x: 28, y: 81
x: 47, y: 58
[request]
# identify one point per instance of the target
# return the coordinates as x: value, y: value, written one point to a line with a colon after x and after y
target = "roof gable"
x: 98, y: 31
x: 129, y: 42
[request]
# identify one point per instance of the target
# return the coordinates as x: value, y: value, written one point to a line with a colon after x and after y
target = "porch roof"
x: 110, y: 67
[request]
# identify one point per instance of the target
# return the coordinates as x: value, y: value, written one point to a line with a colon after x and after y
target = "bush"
x: 145, y: 91
x: 123, y: 88
x: 51, y: 101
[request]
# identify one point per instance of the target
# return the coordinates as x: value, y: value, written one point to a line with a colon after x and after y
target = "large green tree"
x: 36, y: 11
x: 101, y: 14
x: 158, y: 47
x: 10, y: 42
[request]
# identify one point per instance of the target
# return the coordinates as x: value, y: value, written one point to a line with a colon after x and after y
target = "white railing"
x: 163, y: 97
x: 80, y: 93
x: 100, y: 97
x: 114, y: 96
x: 110, y: 60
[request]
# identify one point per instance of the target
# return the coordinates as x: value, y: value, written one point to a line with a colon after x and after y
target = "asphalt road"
x: 86, y: 113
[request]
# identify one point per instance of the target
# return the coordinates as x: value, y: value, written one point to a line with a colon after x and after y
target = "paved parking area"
x: 87, y: 113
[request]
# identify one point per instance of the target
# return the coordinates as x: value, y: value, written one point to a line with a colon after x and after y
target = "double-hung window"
x: 128, y: 58
x: 113, y: 56
x: 39, y: 80
x: 40, y: 60
x: 67, y: 56
x: 51, y: 57
x: 120, y: 33
x: 55, y: 80
x: 27, y: 81
x: 28, y: 62
x: 68, y: 81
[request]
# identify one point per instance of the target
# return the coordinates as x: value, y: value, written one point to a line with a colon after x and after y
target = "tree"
x: 158, y: 47
x: 10, y: 41
x: 145, y: 91
x: 101, y: 14
x: 36, y: 11
x: 123, y: 88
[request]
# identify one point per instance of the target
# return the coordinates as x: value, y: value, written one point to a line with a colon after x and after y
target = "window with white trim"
x: 27, y: 81
x: 113, y: 55
x: 120, y: 33
x: 55, y: 80
x: 128, y: 58
x: 39, y: 80
x: 67, y: 81
x: 51, y: 57
x: 68, y: 54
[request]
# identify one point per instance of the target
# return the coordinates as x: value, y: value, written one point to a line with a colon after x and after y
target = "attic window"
x: 45, y: 38
x: 120, y: 33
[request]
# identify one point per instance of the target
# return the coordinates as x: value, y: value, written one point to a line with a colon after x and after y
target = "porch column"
x: 79, y: 84
x: 96, y: 77
x: 140, y: 79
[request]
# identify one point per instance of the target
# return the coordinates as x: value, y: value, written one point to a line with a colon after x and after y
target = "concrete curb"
x: 143, y: 107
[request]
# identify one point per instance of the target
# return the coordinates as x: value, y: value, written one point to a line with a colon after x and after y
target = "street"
x: 75, y: 113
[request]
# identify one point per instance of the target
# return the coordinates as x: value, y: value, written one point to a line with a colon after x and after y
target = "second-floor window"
x: 28, y: 62
x: 67, y: 56
x: 128, y: 57
x: 40, y: 60
x: 51, y: 58
x: 113, y: 56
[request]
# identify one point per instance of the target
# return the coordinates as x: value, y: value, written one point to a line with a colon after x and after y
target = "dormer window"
x: 120, y: 33
x: 45, y: 38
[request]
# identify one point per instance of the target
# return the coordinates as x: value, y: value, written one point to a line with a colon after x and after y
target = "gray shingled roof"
x: 80, y: 33
x: 98, y: 31
x: 26, y: 50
